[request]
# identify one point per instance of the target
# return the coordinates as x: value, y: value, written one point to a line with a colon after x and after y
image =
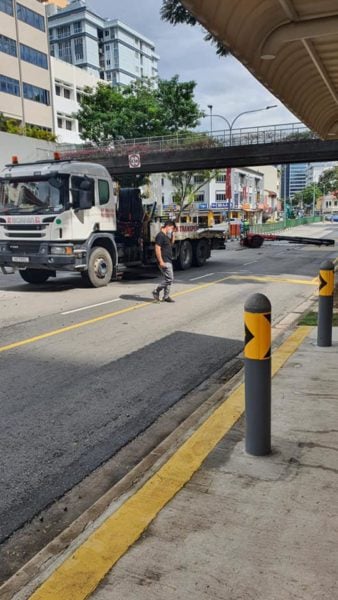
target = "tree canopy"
x: 174, y: 12
x: 328, y: 181
x: 307, y: 195
x: 186, y: 184
x: 143, y: 108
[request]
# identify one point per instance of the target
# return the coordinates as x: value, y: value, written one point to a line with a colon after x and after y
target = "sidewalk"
x: 240, y: 528
x: 249, y: 528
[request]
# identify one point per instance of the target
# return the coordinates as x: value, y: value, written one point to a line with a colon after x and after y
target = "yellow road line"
x: 81, y: 573
x: 274, y: 279
x: 123, y: 311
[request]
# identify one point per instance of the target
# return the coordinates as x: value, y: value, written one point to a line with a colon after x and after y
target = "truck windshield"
x: 19, y: 196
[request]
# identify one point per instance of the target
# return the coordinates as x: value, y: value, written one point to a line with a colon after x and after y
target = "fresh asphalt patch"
x: 56, y: 430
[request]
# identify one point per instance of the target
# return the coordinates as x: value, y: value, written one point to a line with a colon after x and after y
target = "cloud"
x: 222, y: 82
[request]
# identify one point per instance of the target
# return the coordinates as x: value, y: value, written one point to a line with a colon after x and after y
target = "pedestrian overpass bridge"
x: 193, y: 151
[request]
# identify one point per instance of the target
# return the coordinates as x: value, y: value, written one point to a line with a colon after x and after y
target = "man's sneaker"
x: 156, y: 296
x: 168, y: 299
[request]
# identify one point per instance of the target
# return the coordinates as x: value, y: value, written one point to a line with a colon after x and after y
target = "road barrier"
x: 257, y: 370
x: 325, y: 304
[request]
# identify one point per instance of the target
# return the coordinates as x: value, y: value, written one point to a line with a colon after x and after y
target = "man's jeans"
x: 168, y: 274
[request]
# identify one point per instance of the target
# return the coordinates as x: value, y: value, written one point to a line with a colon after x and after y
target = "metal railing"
x: 266, y: 134
x: 287, y: 224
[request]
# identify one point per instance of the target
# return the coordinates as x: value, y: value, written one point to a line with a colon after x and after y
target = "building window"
x: 162, y: 181
x: 108, y: 48
x: 36, y: 94
x: 108, y: 62
x: 6, y: 6
x: 33, y: 56
x: 103, y: 191
x: 52, y: 50
x: 65, y: 51
x: 78, y: 97
x: 9, y: 85
x: 63, y: 31
x: 198, y: 178
x: 30, y: 17
x: 7, y: 45
x: 78, y: 48
x: 220, y: 178
x: 106, y: 33
x: 199, y: 197
x: 69, y: 125
x: 66, y: 93
x: 220, y: 196
x: 77, y: 27
x: 58, y: 90
x: 60, y: 122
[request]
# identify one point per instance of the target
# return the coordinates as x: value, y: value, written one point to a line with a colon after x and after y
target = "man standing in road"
x: 164, y: 241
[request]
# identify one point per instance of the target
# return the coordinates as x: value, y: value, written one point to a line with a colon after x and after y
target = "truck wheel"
x: 34, y: 275
x: 256, y: 241
x: 185, y: 256
x: 100, y: 268
x: 201, y: 253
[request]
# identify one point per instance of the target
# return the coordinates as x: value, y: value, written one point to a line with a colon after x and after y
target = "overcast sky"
x: 222, y: 82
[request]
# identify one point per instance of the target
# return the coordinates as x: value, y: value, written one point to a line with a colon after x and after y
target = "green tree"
x: 305, y: 197
x: 141, y: 109
x: 187, y: 184
x: 174, y: 12
x: 328, y: 181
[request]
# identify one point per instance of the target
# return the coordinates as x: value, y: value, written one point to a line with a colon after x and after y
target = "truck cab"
x: 55, y: 215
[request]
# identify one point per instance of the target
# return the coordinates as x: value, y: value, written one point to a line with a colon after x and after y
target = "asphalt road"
x: 84, y: 371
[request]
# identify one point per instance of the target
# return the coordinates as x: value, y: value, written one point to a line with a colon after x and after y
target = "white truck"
x: 64, y: 215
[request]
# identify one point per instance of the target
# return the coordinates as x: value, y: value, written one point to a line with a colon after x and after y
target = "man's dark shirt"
x: 164, y: 242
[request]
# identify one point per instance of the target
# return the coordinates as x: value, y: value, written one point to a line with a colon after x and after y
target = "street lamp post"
x: 210, y: 108
x: 231, y: 125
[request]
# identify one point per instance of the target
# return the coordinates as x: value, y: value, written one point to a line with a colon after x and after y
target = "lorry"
x: 66, y: 215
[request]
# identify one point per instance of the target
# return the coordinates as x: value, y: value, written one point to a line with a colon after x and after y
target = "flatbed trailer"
x: 256, y: 240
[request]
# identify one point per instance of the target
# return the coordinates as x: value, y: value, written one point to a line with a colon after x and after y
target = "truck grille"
x: 23, y: 249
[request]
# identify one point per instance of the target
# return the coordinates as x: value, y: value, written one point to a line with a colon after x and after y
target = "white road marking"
x: 68, y: 312
x: 202, y: 276
x: 249, y: 263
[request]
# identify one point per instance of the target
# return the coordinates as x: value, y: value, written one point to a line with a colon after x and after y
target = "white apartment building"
x: 25, y: 80
x: 315, y: 170
x: 127, y: 55
x: 247, y: 191
x: 68, y: 85
x: 106, y: 48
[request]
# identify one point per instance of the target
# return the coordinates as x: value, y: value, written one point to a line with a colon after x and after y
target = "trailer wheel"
x: 34, y: 276
x: 201, y: 253
x: 184, y: 260
x: 256, y: 241
x: 100, y: 268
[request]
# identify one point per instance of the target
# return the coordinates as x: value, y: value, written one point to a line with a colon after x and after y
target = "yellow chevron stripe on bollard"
x: 257, y: 335
x: 326, y: 282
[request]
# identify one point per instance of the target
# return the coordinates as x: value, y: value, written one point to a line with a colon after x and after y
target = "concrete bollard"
x: 325, y: 304
x: 257, y: 369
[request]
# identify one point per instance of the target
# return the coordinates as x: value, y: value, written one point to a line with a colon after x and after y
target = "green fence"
x: 272, y: 227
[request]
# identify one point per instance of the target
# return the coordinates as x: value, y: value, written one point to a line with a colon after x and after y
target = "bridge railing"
x: 266, y: 134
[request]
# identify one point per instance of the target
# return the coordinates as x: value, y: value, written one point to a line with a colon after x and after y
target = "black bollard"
x: 325, y: 304
x: 257, y: 359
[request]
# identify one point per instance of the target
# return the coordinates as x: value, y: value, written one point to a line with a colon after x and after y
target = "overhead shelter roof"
x: 291, y: 46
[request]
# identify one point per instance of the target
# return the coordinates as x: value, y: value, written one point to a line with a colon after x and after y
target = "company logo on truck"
x: 25, y: 220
